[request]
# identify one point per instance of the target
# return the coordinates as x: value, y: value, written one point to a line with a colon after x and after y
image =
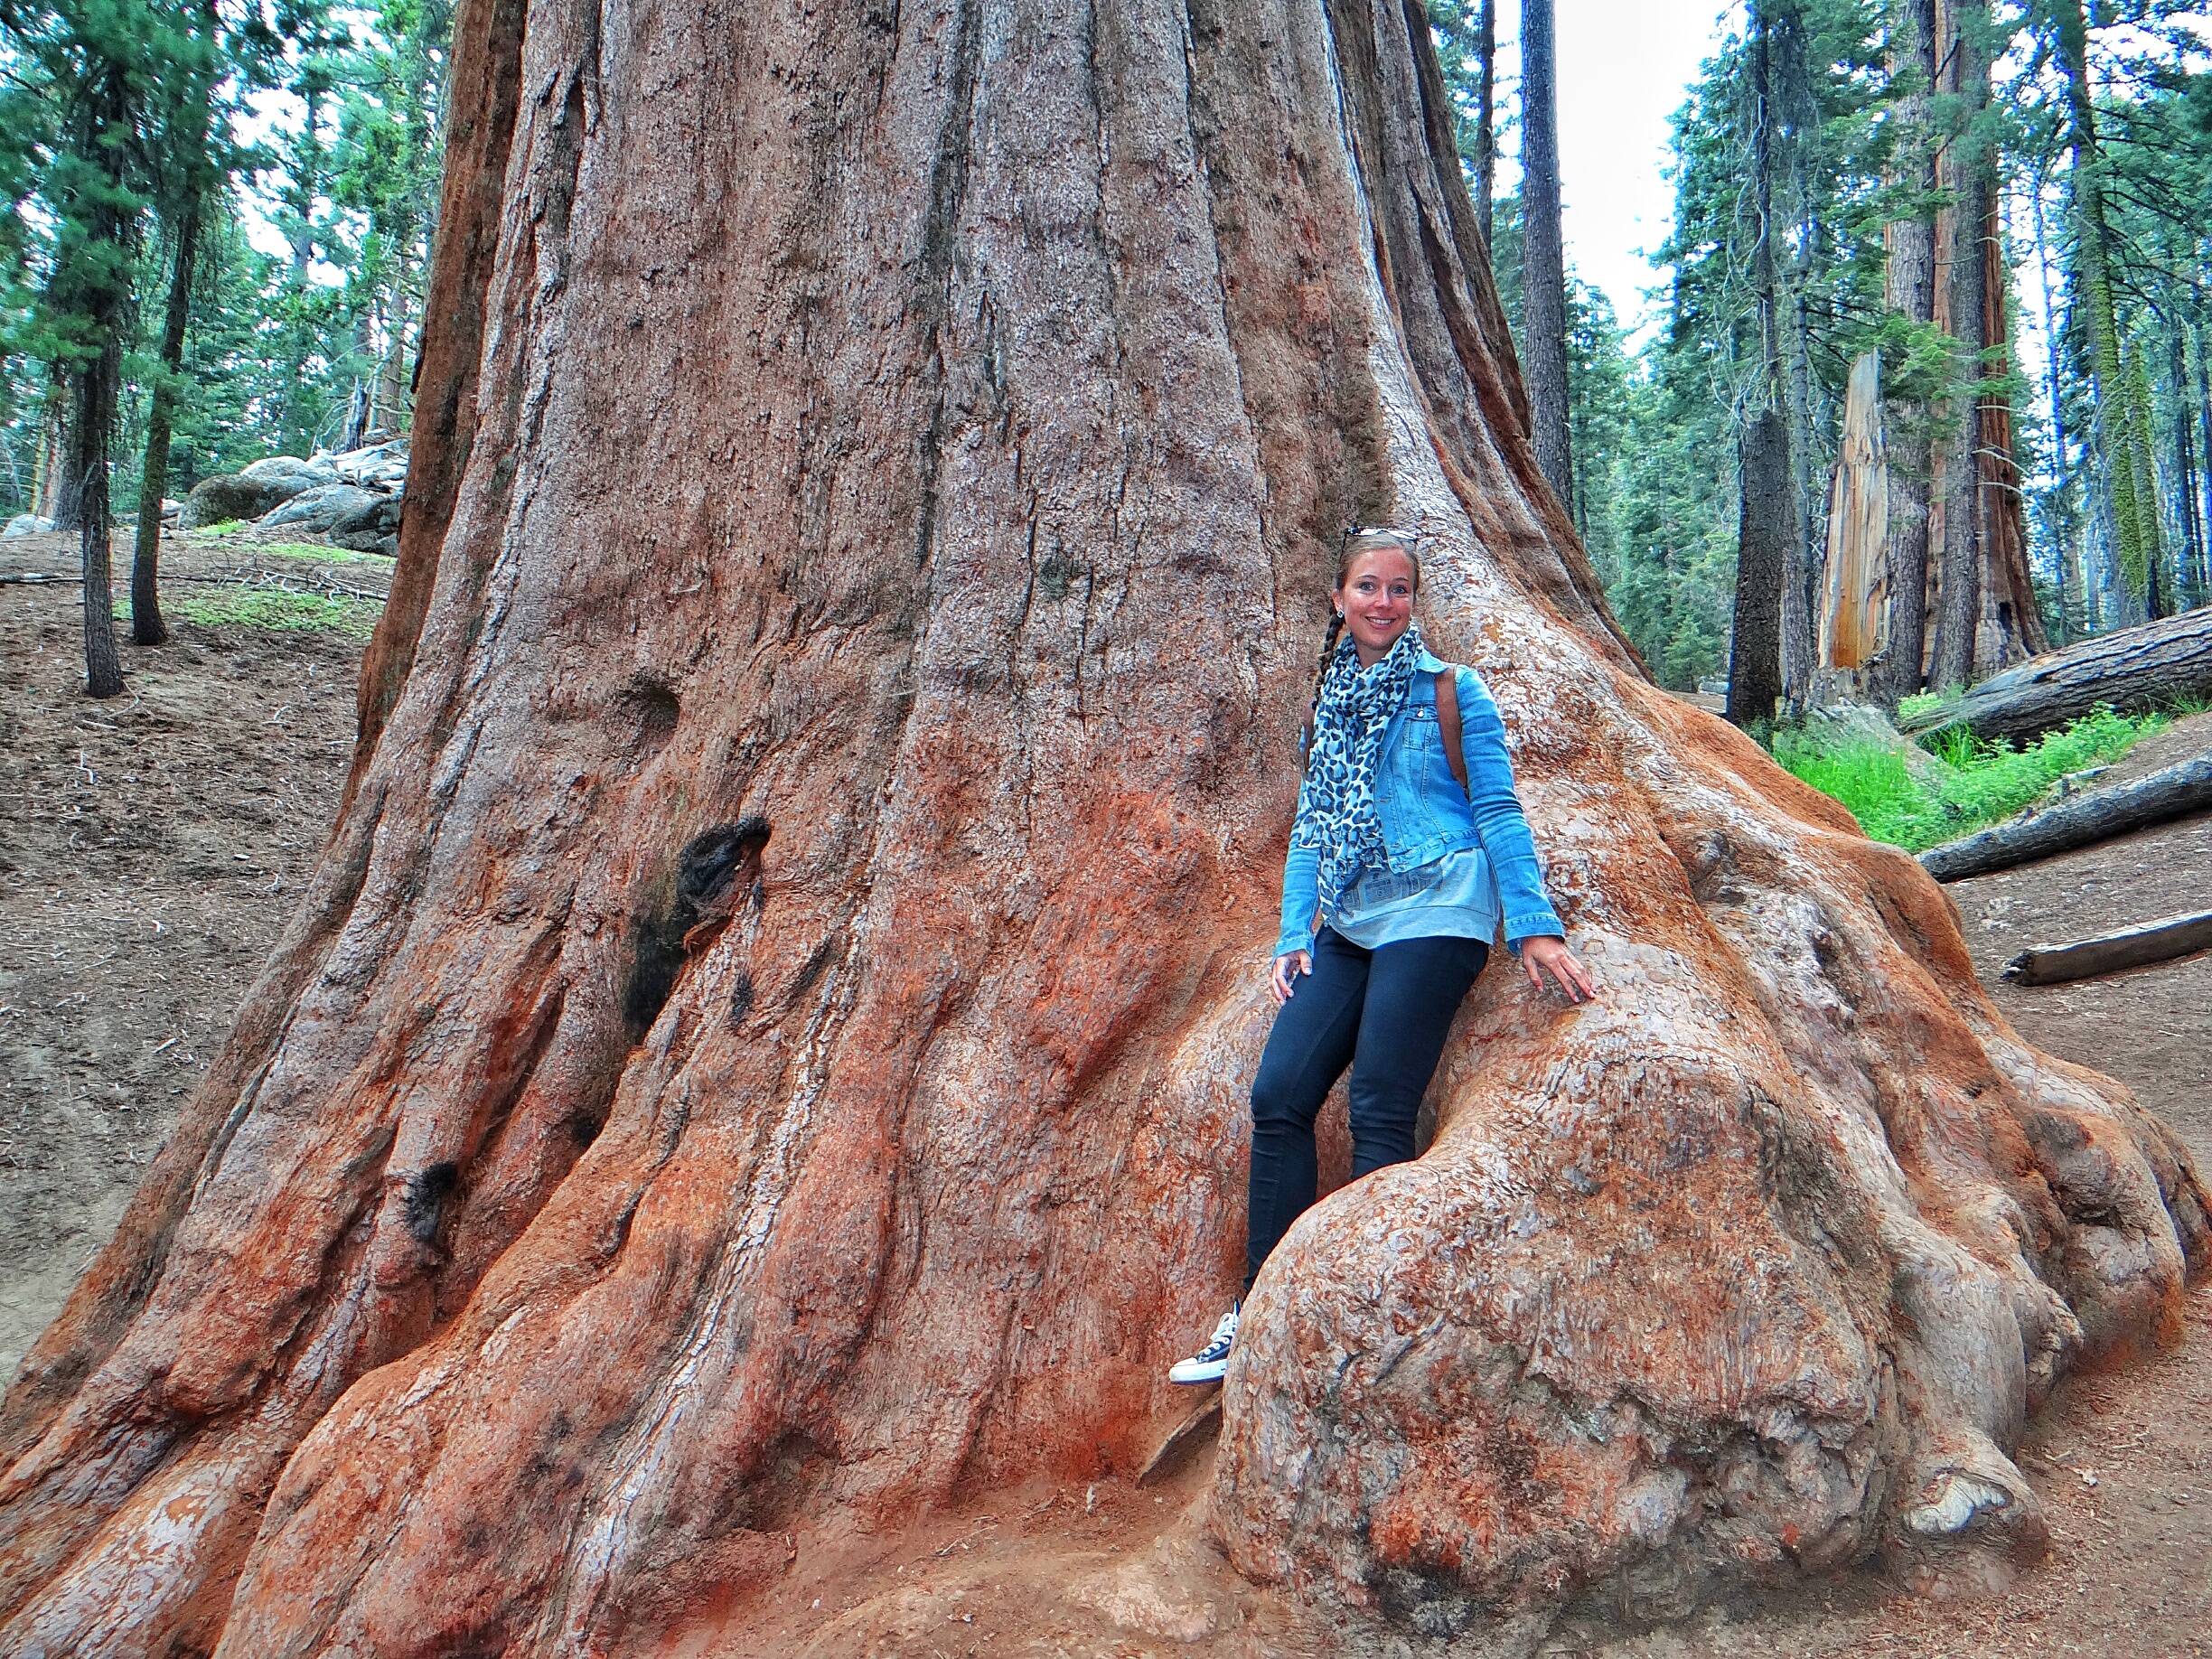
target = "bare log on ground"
x: 2174, y: 791
x: 2129, y: 947
x: 929, y: 429
x: 2133, y: 669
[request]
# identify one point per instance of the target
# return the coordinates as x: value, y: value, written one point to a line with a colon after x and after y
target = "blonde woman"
x: 1409, y: 849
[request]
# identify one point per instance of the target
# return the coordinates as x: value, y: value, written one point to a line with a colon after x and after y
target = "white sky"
x: 1624, y: 67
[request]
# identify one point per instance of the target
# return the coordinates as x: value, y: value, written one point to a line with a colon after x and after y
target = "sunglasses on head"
x: 1405, y: 538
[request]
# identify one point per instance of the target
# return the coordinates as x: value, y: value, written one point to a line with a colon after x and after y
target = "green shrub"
x: 1971, y: 784
x: 1910, y: 708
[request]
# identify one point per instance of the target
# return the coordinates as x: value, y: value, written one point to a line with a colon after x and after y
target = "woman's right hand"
x: 1287, y: 969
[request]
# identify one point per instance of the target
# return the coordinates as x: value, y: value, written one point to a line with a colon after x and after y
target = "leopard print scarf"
x: 1336, y: 806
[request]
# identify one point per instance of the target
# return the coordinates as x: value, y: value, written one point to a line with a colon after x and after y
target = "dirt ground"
x: 153, y: 847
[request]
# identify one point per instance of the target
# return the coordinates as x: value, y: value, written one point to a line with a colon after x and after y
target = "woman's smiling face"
x: 1377, y: 601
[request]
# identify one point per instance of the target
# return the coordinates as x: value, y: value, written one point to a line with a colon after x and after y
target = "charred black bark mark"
x: 427, y: 1190
x: 740, y: 998
x: 716, y: 872
x: 707, y: 870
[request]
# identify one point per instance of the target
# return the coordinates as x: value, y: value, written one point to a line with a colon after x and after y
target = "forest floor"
x: 152, y: 848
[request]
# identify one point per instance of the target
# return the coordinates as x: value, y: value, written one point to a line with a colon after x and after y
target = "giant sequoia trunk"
x: 916, y: 434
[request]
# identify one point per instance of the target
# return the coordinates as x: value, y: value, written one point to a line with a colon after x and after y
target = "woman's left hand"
x: 1549, y: 954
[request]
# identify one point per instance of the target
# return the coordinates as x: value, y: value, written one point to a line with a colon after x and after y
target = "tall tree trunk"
x: 96, y: 396
x: 2192, y: 551
x: 1909, y: 289
x: 2156, y: 591
x: 1485, y: 139
x: 1960, y: 255
x: 2113, y: 440
x: 1762, y: 557
x: 590, y: 1199
x: 2072, y: 617
x: 391, y: 379
x: 1793, y: 625
x: 95, y: 291
x: 1543, y: 293
x: 2204, y: 431
x: 1854, y: 597
x: 2011, y: 626
x: 1789, y: 84
x: 148, y: 628
x: 51, y: 466
x: 68, y: 512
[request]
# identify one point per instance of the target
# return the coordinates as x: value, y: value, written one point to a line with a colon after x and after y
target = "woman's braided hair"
x: 1358, y: 539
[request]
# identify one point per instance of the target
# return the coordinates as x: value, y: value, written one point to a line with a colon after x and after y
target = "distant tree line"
x: 1856, y: 177
x: 220, y: 224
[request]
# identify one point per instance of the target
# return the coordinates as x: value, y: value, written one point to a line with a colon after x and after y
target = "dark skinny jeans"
x: 1383, y: 1012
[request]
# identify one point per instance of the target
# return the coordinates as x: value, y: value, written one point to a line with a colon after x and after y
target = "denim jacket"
x: 1426, y: 814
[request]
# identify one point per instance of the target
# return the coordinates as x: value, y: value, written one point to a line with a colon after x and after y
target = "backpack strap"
x: 1447, y: 723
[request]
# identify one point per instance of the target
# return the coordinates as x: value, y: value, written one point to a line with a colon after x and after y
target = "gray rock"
x: 1841, y: 725
x: 322, y: 508
x: 220, y: 500
x: 379, y: 466
x: 170, y: 509
x: 285, y: 476
x: 375, y: 516
x: 28, y: 524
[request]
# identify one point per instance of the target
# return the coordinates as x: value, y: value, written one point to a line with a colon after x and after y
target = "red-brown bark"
x: 918, y: 435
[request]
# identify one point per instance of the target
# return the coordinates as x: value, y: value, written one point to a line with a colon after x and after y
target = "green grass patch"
x: 1917, y: 807
x: 273, y: 608
x: 1911, y: 708
x: 223, y: 529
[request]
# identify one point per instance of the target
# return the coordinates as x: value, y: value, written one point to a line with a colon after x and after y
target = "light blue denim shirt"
x: 1460, y: 860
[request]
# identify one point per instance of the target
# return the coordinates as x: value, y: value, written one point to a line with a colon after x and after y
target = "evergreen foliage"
x: 321, y: 137
x: 1657, y: 420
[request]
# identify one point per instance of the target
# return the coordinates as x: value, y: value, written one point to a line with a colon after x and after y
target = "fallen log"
x: 2098, y: 816
x: 2133, y: 669
x: 2130, y: 947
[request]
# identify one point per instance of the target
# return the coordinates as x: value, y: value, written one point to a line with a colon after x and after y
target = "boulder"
x: 283, y: 477
x: 372, y: 518
x: 322, y: 508
x: 170, y: 509
x: 28, y: 524
x: 221, y: 499
x: 1842, y: 726
x: 380, y: 466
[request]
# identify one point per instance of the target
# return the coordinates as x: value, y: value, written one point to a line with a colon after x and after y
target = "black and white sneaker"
x: 1210, y: 1362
